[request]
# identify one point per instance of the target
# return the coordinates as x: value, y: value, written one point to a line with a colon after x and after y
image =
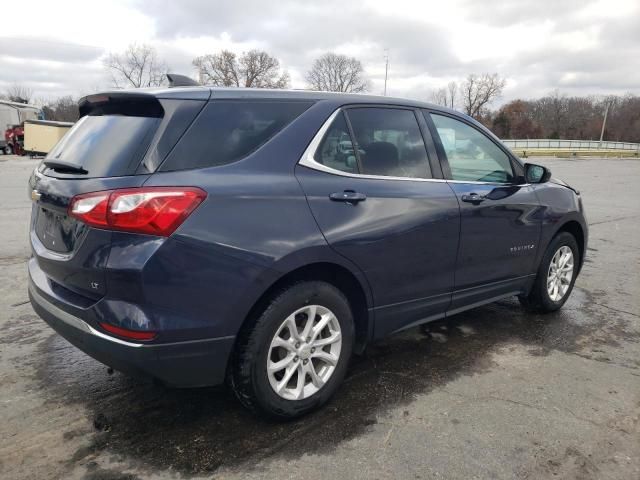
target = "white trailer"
x: 40, y: 136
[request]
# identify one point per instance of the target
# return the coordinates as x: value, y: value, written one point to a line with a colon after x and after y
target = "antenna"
x: 176, y: 80
x: 386, y: 69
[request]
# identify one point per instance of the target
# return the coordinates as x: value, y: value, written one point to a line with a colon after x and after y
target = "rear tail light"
x: 151, y: 210
x: 129, y: 334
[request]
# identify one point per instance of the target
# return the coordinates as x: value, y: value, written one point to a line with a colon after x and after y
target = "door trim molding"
x: 307, y: 160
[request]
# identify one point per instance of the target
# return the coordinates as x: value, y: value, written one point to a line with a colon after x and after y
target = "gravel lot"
x: 492, y: 393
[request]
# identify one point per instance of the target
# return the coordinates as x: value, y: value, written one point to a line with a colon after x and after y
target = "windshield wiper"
x: 64, y: 167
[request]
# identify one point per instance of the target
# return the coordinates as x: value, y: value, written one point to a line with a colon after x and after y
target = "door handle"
x: 473, y: 198
x: 348, y: 196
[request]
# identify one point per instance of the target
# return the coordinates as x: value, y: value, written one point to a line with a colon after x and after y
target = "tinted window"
x: 336, y: 149
x: 227, y: 131
x: 472, y: 155
x: 106, y: 145
x: 389, y: 142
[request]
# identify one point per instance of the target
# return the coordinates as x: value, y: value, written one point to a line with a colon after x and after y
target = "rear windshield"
x: 227, y: 131
x: 106, y: 145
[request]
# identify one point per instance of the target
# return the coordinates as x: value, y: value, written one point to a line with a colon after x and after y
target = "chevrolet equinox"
x: 196, y: 234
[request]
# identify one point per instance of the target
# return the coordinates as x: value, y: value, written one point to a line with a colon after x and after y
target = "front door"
x: 369, y: 186
x: 500, y: 221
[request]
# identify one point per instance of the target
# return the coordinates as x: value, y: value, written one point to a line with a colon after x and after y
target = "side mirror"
x: 536, y: 173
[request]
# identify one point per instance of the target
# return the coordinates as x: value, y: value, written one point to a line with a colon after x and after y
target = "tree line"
x: 552, y: 116
x: 139, y: 66
x: 571, y: 118
x: 555, y: 116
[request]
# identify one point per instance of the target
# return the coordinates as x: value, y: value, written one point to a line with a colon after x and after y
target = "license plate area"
x: 56, y: 231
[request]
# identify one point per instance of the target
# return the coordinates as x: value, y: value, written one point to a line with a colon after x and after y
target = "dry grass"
x: 569, y: 153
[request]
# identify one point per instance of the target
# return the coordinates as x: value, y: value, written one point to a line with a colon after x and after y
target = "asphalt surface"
x: 492, y: 393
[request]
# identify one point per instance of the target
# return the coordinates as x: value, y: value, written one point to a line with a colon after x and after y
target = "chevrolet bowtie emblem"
x: 35, y: 195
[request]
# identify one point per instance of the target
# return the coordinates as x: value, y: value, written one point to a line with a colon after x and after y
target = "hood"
x: 557, y: 181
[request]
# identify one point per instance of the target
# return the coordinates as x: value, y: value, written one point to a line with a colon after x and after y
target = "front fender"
x: 561, y: 208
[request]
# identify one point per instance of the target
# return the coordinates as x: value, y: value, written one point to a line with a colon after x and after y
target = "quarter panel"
x: 194, y: 287
x: 251, y: 228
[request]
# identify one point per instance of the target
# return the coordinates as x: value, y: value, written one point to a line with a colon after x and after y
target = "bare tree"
x: 478, y: 91
x: 18, y: 93
x: 624, y: 119
x: 446, y: 96
x: 255, y: 68
x: 439, y: 96
x: 452, y: 91
x: 63, y: 109
x: 337, y: 73
x: 514, y: 120
x: 552, y: 113
x: 138, y: 66
x: 261, y: 70
x: 218, y: 69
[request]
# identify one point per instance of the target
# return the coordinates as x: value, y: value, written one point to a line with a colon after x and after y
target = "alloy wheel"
x: 560, y: 273
x: 304, y: 352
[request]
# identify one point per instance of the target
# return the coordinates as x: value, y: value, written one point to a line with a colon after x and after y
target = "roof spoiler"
x: 125, y: 102
x: 176, y: 80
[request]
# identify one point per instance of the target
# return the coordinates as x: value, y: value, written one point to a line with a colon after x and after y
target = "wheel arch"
x: 574, y: 228
x: 337, y: 275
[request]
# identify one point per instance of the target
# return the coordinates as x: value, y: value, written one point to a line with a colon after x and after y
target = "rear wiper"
x: 64, y: 167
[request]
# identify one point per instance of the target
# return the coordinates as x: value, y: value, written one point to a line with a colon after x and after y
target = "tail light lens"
x: 151, y: 210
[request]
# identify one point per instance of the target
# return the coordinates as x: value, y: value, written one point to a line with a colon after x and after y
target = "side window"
x: 389, y: 142
x: 227, y: 131
x: 336, y: 149
x: 472, y: 155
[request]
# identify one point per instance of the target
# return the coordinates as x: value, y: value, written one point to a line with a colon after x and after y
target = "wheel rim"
x: 560, y: 273
x: 304, y: 352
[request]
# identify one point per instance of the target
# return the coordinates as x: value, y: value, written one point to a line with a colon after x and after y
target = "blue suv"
x: 197, y: 234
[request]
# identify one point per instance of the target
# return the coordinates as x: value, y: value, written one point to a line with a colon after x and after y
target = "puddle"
x: 198, y: 431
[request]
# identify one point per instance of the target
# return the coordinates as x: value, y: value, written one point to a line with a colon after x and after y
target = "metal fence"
x: 571, y: 145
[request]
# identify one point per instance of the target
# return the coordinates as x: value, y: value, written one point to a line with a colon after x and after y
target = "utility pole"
x: 604, y: 122
x: 386, y: 69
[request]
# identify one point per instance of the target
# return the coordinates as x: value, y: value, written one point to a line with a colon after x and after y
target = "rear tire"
x: 556, y: 275
x: 282, y: 369
x: 8, y: 150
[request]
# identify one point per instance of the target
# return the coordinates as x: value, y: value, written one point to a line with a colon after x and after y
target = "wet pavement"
x: 491, y: 393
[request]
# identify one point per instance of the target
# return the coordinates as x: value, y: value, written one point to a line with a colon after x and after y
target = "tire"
x: 540, y: 299
x: 8, y: 150
x: 256, y: 388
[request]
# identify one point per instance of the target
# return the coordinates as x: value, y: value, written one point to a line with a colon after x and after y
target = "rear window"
x: 106, y: 145
x: 227, y: 131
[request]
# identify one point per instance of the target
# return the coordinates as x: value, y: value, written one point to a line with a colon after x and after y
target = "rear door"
x: 500, y: 221
x: 369, y: 182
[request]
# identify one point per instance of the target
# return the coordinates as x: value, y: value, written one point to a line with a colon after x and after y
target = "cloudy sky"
x: 575, y: 46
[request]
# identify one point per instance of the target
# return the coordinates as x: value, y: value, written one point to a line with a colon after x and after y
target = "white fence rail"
x: 571, y: 145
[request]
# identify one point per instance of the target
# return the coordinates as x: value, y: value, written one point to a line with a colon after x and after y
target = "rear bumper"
x: 183, y: 364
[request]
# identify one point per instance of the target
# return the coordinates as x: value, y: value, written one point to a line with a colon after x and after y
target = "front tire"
x: 556, y: 275
x: 293, y: 358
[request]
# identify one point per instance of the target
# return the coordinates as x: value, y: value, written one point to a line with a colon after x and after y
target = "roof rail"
x: 176, y: 80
